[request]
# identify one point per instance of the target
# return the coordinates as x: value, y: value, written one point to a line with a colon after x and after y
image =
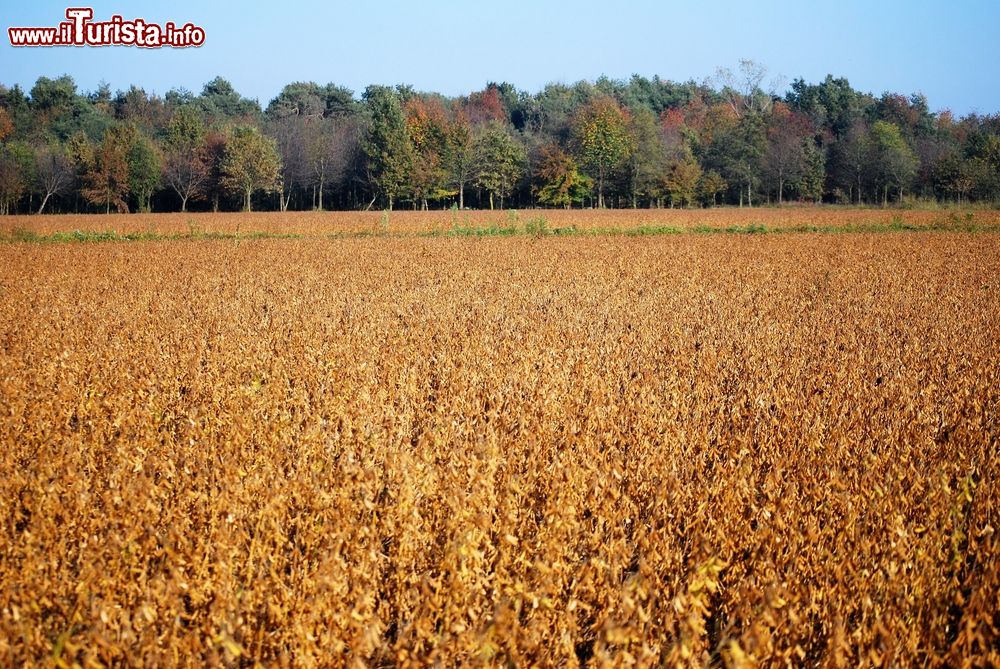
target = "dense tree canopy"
x: 387, y: 145
x: 644, y: 142
x: 250, y: 163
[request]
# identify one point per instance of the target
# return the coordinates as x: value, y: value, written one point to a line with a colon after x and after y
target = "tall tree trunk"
x: 184, y: 203
x: 246, y: 201
x: 781, y: 188
x: 600, y: 187
x: 491, y: 200
x: 461, y: 195
x: 44, y: 200
x: 320, y: 193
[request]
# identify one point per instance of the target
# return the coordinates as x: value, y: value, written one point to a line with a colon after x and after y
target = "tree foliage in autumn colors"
x: 394, y: 147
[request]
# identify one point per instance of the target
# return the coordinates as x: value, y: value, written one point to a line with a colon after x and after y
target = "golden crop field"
x: 445, y: 223
x: 673, y: 450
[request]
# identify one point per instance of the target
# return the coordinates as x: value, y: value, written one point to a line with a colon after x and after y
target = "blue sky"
x: 948, y: 51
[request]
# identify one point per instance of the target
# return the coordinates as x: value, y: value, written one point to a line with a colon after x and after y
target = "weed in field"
x: 537, y: 226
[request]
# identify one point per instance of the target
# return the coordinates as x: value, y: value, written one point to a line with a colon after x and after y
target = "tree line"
x: 609, y: 143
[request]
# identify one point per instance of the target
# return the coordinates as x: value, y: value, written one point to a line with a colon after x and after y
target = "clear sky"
x: 950, y: 51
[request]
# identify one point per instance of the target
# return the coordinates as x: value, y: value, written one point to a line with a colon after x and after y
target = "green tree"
x: 831, y: 104
x: 307, y: 99
x: 499, y: 161
x: 984, y: 178
x: 16, y: 174
x: 459, y: 152
x: 339, y: 101
x: 681, y: 181
x: 710, y: 185
x: 185, y: 167
x: 18, y: 112
x: 813, y: 176
x: 250, y: 163
x: 53, y: 95
x: 302, y: 99
x: 603, y: 138
x: 647, y: 164
x: 562, y: 183
x: 983, y: 162
x: 893, y: 161
x: 144, y: 171
x: 850, y: 158
x: 145, y: 112
x: 220, y: 101
x: 736, y: 150
x: 386, y: 144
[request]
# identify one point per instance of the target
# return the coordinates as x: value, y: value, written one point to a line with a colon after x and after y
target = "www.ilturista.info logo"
x: 79, y: 30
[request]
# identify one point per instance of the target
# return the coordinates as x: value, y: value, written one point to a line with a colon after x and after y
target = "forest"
x: 645, y: 142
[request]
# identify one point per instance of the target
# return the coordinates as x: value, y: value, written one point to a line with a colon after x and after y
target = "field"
x: 152, y: 227
x: 334, y: 440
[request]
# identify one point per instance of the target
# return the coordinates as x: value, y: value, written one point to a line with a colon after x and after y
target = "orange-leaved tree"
x: 106, y: 182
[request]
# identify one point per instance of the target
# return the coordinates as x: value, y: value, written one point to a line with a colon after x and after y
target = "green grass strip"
x: 533, y: 228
